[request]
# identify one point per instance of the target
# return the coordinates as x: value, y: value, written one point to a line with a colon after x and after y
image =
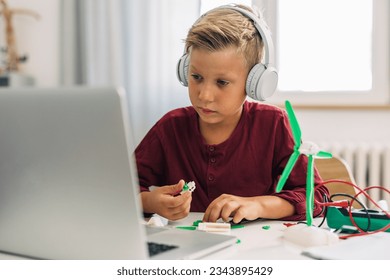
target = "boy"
x: 234, y: 150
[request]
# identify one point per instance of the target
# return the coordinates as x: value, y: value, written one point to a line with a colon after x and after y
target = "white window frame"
x: 380, y: 92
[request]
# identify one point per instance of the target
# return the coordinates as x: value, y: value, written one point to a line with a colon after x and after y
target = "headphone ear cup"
x: 182, y: 69
x: 261, y: 82
x: 252, y: 80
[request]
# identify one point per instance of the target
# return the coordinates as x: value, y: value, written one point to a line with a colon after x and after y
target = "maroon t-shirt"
x: 249, y: 163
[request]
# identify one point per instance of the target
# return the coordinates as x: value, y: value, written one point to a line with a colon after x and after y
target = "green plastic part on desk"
x: 236, y: 226
x: 187, y: 227
x: 196, y: 223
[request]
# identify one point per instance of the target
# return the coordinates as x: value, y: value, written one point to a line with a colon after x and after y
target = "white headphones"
x: 262, y: 78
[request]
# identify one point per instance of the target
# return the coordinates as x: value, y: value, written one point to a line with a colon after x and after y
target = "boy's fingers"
x: 176, y: 189
x: 172, y: 189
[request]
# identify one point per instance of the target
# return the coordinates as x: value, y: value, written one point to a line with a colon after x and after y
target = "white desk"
x: 255, y: 241
x: 258, y: 243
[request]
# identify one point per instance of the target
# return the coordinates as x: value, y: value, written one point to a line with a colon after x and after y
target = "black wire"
x: 353, y: 199
x: 323, y: 211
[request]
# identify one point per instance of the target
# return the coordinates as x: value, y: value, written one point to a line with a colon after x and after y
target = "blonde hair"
x: 223, y: 28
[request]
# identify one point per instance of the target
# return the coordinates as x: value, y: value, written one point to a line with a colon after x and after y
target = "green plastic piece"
x: 266, y: 227
x: 196, y: 223
x: 185, y: 188
x: 287, y: 170
x: 296, y: 132
x: 337, y: 217
x: 310, y: 190
x: 322, y: 154
x: 236, y: 226
x: 187, y: 227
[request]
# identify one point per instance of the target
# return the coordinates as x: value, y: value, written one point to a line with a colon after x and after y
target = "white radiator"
x: 369, y: 163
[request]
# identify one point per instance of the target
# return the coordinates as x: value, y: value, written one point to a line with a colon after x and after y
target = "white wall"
x: 345, y: 125
x: 40, y: 40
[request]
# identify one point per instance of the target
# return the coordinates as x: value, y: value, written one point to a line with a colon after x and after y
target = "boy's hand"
x: 226, y: 206
x: 166, y: 202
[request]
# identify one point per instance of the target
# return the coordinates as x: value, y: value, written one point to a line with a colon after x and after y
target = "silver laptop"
x: 68, y: 185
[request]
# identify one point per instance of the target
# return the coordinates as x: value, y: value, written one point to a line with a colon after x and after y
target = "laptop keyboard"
x: 157, y: 248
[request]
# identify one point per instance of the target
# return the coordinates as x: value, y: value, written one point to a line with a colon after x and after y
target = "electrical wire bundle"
x: 328, y: 202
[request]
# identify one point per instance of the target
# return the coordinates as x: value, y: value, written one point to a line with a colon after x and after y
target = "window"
x: 336, y: 49
x: 331, y: 51
x: 328, y: 51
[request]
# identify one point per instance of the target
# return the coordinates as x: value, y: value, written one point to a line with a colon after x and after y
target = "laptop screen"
x: 67, y: 176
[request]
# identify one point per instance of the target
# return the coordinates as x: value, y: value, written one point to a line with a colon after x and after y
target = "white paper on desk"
x: 370, y: 247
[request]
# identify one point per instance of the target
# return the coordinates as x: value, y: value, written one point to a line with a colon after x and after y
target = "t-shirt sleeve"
x: 149, y: 156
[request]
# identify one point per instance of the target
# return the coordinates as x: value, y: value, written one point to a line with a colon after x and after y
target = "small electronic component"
x: 188, y: 187
x: 214, y: 227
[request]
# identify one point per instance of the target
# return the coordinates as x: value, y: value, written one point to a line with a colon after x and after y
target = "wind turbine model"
x: 308, y: 149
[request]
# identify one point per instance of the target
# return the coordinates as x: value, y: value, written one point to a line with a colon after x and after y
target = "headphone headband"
x: 260, y: 26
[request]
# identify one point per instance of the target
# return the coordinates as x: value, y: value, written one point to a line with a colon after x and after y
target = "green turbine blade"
x: 287, y: 170
x: 296, y: 131
x: 322, y: 154
x: 309, y: 190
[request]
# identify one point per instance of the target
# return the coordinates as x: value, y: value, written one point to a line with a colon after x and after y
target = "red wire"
x: 361, y: 191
